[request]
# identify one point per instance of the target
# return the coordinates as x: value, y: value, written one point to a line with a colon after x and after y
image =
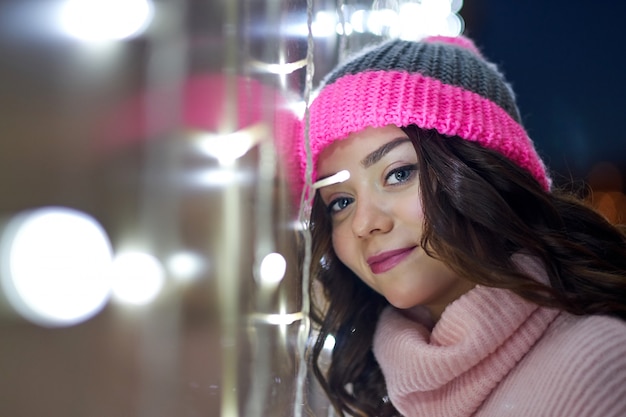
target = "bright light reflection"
x: 455, y: 5
x: 137, y: 277
x: 324, y: 24
x: 185, y: 265
x: 411, y: 20
x: 298, y: 108
x: 329, y: 342
x: 229, y: 147
x: 433, y: 17
x: 279, y: 69
x: 385, y: 4
x: 298, y: 225
x: 280, y: 319
x: 55, y: 264
x: 222, y: 176
x: 98, y: 20
x: 272, y: 269
x: 436, y: 8
x: 455, y: 25
x: 357, y: 20
x: 380, y: 21
x: 347, y: 25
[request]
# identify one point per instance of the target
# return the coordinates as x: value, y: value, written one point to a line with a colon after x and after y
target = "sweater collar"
x: 453, y: 368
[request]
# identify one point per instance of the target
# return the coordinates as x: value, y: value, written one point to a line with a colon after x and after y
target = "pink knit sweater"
x: 494, y: 354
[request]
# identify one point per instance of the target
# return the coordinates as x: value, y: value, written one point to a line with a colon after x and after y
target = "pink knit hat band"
x: 379, y: 98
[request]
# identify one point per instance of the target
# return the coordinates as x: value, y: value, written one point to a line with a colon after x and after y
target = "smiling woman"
x: 450, y: 269
x: 382, y: 195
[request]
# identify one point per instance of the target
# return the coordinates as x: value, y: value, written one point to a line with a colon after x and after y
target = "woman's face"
x: 378, y: 220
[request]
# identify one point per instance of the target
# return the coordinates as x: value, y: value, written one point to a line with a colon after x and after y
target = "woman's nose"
x: 371, y: 217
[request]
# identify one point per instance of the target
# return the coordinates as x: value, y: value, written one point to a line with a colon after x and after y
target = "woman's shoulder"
x: 587, y: 345
x: 587, y: 332
x: 586, y: 355
x: 579, y: 351
x: 577, y: 368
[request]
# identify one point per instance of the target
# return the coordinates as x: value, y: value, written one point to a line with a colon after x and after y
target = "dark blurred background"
x: 566, y: 61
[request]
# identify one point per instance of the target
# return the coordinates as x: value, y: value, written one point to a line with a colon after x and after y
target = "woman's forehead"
x: 364, y: 148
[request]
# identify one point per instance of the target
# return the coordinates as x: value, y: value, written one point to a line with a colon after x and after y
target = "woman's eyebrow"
x: 377, y: 155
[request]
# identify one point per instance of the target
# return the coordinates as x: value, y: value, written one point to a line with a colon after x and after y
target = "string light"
x: 408, y: 19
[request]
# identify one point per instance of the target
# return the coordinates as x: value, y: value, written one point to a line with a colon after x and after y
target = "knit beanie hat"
x: 440, y: 83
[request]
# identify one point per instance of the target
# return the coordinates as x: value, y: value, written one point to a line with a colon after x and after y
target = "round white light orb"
x: 272, y: 269
x: 54, y: 265
x: 138, y: 278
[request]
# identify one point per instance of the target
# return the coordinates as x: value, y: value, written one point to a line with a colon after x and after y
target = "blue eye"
x: 401, y: 175
x: 339, y: 204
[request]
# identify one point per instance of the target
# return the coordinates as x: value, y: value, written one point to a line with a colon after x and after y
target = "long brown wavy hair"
x: 480, y: 209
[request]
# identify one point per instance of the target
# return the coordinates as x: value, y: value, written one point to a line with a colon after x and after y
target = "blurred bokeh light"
x: 55, y: 265
x: 101, y: 20
x: 137, y: 277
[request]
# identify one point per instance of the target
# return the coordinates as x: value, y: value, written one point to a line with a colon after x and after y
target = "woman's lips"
x: 385, y: 261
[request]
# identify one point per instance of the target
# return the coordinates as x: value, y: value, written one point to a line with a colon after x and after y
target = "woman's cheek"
x: 342, y: 246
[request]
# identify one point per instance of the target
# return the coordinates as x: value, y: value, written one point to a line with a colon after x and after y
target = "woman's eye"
x: 339, y: 204
x: 400, y: 175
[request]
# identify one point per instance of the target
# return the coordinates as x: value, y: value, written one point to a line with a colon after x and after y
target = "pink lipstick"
x: 385, y: 261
